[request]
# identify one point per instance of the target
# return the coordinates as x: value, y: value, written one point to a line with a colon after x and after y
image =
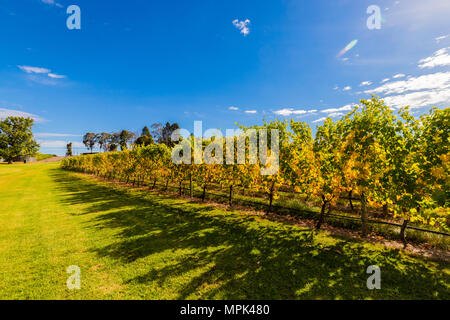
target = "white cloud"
x: 4, y: 113
x: 233, y: 108
x: 58, y: 144
x: 347, y: 107
x: 437, y: 97
x: 422, y: 91
x: 39, y: 70
x: 291, y: 111
x: 47, y: 134
x: 242, y: 26
x: 56, y: 76
x: 347, y: 88
x: 335, y: 114
x: 437, y: 80
x: 29, y: 69
x: 250, y: 111
x: 438, y: 39
x: 385, y: 80
x: 52, y: 2
x: 365, y: 83
x: 320, y: 120
x: 439, y: 58
x: 42, y: 80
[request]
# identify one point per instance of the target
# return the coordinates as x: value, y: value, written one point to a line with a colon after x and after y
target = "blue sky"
x: 137, y: 62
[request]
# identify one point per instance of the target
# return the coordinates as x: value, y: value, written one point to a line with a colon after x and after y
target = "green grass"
x: 42, y: 156
x: 138, y: 245
x: 294, y: 205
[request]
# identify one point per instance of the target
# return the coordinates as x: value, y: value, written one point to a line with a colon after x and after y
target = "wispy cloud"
x: 4, y: 113
x: 242, y: 26
x: 385, y: 80
x: 233, y: 108
x: 365, y: 83
x: 29, y: 69
x: 439, y: 58
x: 251, y: 111
x: 48, y: 134
x: 335, y: 114
x: 320, y: 120
x: 291, y: 111
x: 42, y: 80
x: 426, y: 90
x: 439, y: 39
x: 347, y: 88
x: 52, y: 2
x: 56, y: 76
x: 431, y: 89
x: 439, y: 80
x: 36, y: 74
x: 435, y: 98
x: 347, y: 107
x: 58, y: 144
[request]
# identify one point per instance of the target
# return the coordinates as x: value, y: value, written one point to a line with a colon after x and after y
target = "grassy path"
x: 133, y: 245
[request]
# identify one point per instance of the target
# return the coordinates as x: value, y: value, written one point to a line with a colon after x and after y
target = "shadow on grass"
x: 226, y: 255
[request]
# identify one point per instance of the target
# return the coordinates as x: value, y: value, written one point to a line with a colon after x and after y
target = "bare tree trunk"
x: 350, y: 200
x: 403, y: 231
x: 230, y: 197
x: 271, y: 196
x: 385, y: 209
x: 181, y: 184
x: 204, y: 192
x: 190, y: 186
x: 154, y: 183
x: 322, y: 213
x: 363, y: 215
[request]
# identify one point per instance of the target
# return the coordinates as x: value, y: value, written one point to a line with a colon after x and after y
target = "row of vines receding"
x: 390, y: 160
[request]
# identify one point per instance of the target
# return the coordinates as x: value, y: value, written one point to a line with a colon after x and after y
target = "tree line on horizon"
x: 109, y: 142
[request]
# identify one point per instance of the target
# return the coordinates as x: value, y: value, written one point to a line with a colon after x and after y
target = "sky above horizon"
x: 136, y: 62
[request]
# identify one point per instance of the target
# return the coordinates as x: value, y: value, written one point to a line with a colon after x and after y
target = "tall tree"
x: 89, y: 140
x: 16, y: 138
x: 146, y: 132
x: 145, y: 139
x: 103, y: 140
x: 125, y: 137
x: 114, y: 141
x: 163, y: 134
x: 69, y: 149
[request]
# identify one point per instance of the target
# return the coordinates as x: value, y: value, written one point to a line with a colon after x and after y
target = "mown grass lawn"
x: 137, y: 245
